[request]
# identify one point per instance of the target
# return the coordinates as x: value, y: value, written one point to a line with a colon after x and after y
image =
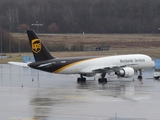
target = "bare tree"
x: 53, y: 28
x: 23, y: 27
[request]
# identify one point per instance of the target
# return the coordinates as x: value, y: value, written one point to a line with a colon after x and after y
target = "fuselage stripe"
x: 71, y: 64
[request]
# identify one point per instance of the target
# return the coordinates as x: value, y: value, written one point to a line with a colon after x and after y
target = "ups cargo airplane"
x: 121, y: 65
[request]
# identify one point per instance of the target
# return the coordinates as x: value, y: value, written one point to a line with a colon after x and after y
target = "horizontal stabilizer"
x: 19, y: 64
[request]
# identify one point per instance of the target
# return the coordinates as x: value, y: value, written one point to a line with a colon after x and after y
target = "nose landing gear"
x: 140, y: 75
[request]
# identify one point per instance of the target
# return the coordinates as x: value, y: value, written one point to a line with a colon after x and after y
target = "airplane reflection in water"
x: 86, y: 95
x: 124, y: 88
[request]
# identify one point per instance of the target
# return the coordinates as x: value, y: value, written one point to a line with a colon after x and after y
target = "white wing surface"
x: 100, y: 69
x: 19, y: 64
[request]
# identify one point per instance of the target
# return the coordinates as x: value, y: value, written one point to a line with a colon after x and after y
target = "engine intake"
x: 125, y: 72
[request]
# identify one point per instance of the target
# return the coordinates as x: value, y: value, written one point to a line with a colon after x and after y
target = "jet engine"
x: 125, y: 72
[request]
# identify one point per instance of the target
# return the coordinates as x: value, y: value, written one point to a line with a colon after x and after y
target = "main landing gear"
x: 81, y: 79
x: 140, y: 75
x: 103, y: 79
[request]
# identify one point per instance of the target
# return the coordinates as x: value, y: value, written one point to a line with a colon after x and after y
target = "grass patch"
x: 119, y: 44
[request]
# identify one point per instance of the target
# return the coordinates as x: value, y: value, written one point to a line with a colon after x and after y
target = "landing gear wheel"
x: 102, y: 80
x: 140, y: 77
x: 105, y: 80
x: 83, y: 80
x: 156, y: 78
x: 79, y: 80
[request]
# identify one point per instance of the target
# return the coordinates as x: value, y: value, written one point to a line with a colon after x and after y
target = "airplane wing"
x: 19, y: 64
x: 109, y: 68
x: 100, y: 69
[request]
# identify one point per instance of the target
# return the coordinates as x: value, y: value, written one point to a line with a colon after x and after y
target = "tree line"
x: 77, y: 16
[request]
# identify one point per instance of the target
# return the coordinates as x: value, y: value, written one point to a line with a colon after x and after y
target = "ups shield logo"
x: 36, y: 46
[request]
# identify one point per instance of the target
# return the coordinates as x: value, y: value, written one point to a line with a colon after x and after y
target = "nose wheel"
x: 140, y: 75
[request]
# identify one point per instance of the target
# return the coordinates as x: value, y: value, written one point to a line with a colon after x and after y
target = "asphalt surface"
x: 27, y: 94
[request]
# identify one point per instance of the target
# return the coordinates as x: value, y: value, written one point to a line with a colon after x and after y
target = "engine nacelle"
x: 125, y: 72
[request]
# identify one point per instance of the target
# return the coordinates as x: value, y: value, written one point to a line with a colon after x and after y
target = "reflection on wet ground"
x: 35, y: 95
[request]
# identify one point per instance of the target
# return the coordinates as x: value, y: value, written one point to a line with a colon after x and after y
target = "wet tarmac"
x: 27, y: 94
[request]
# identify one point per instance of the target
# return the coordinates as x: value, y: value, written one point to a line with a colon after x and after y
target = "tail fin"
x: 39, y: 50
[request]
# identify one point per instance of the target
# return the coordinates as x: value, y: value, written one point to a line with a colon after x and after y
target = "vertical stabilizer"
x: 39, y: 50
